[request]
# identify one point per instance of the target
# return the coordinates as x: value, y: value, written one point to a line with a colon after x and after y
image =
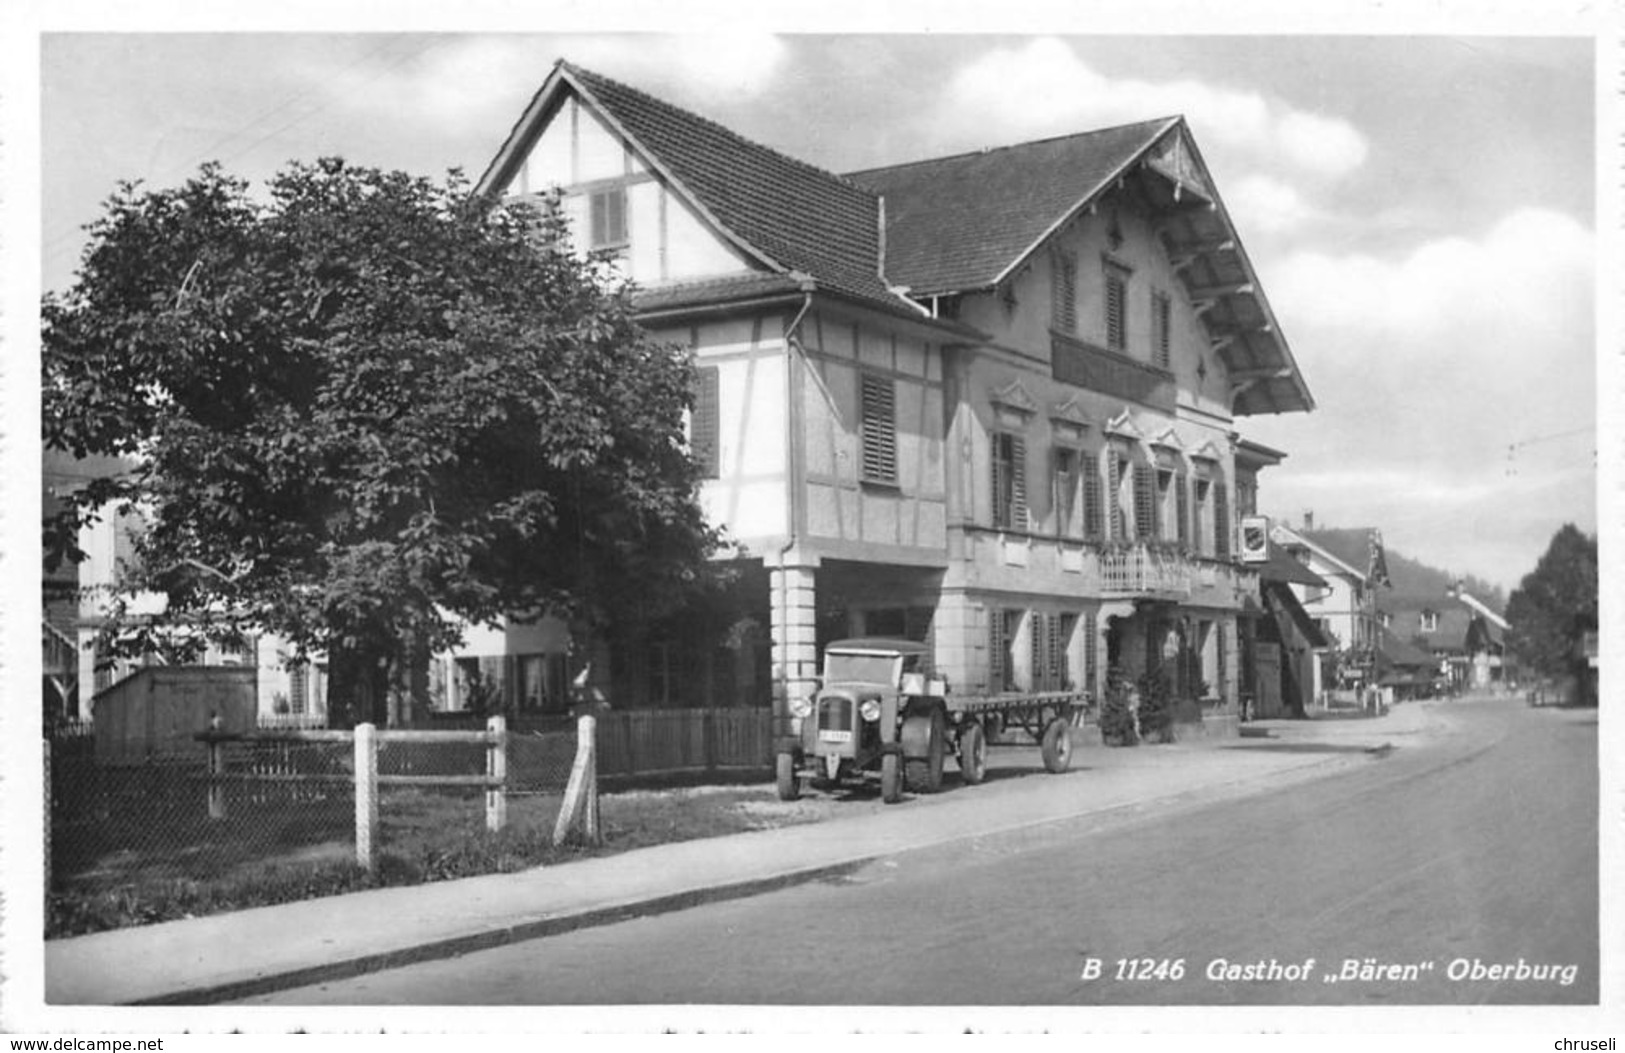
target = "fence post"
x: 496, y: 768
x: 581, y: 795
x: 366, y: 794
x: 217, y: 784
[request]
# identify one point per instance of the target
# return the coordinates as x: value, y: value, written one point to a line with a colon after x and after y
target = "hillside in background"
x: 1414, y: 582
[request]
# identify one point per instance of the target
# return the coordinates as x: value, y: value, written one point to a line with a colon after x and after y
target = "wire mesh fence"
x: 267, y: 815
x: 225, y: 820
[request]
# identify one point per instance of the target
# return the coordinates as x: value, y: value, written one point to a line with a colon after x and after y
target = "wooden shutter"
x: 1221, y: 520
x: 1094, y: 523
x: 1145, y: 502
x: 705, y: 427
x: 1182, y: 508
x: 1161, y: 336
x: 1064, y: 292
x: 1090, y: 656
x: 879, y: 427
x: 1039, y: 626
x: 1116, y: 300
x: 1018, y: 483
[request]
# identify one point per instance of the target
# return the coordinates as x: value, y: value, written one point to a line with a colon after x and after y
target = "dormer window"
x: 607, y: 212
x: 1430, y: 621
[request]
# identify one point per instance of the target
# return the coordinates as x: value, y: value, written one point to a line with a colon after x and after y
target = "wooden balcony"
x: 1083, y: 364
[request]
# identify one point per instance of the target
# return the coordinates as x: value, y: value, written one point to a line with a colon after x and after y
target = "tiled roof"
x: 802, y: 217
x: 1352, y: 545
x: 727, y: 290
x: 957, y: 223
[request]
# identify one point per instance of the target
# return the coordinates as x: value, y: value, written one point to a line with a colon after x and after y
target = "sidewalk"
x: 234, y: 955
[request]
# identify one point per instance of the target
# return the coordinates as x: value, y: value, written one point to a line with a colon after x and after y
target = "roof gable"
x: 790, y: 216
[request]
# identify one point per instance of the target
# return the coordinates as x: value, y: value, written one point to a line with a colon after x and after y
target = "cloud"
x: 1268, y: 205
x: 1529, y: 274
x: 458, y: 81
x: 1434, y: 369
x: 1044, y: 88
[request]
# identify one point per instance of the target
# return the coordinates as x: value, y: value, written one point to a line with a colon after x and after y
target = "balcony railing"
x: 1142, y: 570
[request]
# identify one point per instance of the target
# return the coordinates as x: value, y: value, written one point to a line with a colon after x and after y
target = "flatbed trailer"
x: 1046, y: 716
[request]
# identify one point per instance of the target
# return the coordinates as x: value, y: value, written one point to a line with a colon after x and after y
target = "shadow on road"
x: 1307, y: 747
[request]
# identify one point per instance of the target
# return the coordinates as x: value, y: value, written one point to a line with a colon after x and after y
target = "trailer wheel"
x: 973, y: 754
x: 784, y: 769
x: 891, y: 779
x: 924, y: 775
x: 1057, y: 746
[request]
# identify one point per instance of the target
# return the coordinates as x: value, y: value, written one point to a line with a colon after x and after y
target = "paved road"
x: 1458, y: 871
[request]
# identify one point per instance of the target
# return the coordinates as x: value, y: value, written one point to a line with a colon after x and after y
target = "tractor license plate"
x: 834, y: 736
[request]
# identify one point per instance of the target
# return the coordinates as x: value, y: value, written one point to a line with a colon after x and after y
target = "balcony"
x: 1083, y: 364
x: 1141, y: 570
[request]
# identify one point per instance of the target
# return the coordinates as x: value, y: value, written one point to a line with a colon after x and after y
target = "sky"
x: 1420, y: 207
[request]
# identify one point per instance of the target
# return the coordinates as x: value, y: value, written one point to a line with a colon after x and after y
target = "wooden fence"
x: 661, y: 741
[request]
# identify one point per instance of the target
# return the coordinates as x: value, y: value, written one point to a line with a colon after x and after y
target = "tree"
x: 366, y: 408
x: 1556, y: 604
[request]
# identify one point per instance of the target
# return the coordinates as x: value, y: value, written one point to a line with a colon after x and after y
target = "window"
x: 1145, y: 502
x: 1165, y: 496
x: 1116, y: 307
x: 1221, y: 520
x: 1161, y: 336
x: 705, y: 426
x: 1009, y: 481
x: 1204, y: 487
x: 1066, y: 491
x: 1094, y: 508
x: 1061, y: 651
x: 1064, y: 294
x: 1117, y: 465
x: 1430, y: 621
x: 607, y: 212
x: 879, y: 425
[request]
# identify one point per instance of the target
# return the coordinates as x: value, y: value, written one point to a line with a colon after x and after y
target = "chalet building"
x: 1465, y: 636
x: 989, y: 401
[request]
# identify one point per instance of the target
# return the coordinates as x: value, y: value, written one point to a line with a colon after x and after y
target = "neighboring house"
x: 988, y: 401
x: 74, y: 604
x: 1286, y: 670
x: 1342, y: 607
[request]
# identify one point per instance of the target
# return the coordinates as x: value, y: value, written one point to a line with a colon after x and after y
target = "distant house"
x: 1465, y: 636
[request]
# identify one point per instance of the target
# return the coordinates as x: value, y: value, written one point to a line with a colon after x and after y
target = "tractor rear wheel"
x: 925, y: 773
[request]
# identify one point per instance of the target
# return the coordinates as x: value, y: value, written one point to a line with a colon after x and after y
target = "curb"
x: 488, y: 939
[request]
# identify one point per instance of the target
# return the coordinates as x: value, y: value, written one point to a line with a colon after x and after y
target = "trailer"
x: 882, y: 715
